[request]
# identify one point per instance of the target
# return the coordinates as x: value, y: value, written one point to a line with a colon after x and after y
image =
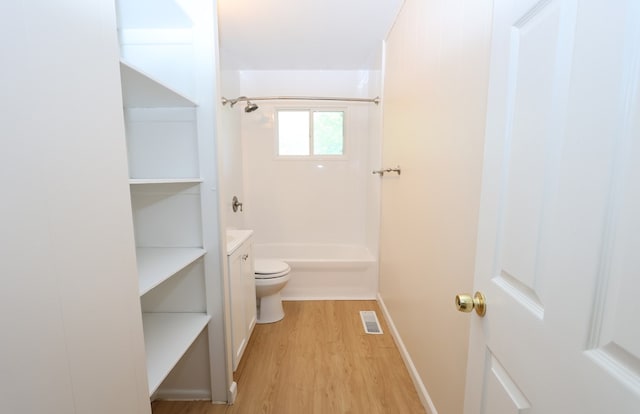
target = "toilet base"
x: 270, y: 309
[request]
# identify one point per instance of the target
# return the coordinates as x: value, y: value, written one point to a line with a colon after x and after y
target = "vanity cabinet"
x: 242, y: 292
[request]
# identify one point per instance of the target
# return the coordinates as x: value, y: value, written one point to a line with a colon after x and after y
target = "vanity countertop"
x: 235, y: 238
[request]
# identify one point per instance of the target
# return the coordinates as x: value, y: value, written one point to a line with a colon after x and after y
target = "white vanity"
x: 242, y: 290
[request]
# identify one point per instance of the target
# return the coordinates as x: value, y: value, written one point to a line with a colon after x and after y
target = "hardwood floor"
x: 316, y: 360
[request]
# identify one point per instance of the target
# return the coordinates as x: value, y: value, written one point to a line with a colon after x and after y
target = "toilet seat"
x: 270, y: 269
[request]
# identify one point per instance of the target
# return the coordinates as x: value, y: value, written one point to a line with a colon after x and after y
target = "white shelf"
x: 157, y: 264
x: 140, y: 181
x: 167, y: 337
x: 140, y: 90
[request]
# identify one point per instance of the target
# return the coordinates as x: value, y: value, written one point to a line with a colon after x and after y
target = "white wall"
x: 307, y: 201
x: 374, y: 154
x: 230, y: 151
x: 435, y: 87
x: 69, y: 306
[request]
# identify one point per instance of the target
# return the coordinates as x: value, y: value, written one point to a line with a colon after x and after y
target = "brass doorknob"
x: 466, y: 303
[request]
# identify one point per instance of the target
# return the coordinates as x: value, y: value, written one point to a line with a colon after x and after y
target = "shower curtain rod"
x: 225, y: 101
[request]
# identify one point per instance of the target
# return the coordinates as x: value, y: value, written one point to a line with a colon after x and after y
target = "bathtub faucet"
x: 235, y: 204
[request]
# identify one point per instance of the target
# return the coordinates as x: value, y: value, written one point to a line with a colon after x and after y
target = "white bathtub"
x: 325, y: 271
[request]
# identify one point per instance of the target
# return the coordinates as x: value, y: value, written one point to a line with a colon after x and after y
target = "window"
x: 310, y: 132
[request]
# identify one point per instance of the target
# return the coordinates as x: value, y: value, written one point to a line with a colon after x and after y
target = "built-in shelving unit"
x: 160, y: 54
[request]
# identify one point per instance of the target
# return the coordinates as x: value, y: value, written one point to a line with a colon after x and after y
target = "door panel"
x: 536, y: 92
x: 502, y: 394
x: 558, y: 236
x: 612, y: 344
x: 537, y: 86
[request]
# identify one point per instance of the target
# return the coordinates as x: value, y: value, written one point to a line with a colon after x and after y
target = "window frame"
x: 311, y: 110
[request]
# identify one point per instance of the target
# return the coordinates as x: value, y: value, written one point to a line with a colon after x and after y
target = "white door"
x: 559, y: 235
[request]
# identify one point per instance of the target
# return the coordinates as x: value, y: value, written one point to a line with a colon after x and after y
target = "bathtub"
x: 325, y: 271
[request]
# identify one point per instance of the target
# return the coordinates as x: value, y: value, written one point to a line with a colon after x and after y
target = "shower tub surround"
x: 325, y: 271
x: 320, y: 214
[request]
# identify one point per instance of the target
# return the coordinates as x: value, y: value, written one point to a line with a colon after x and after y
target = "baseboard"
x: 233, y: 392
x: 427, y: 403
x: 182, y: 395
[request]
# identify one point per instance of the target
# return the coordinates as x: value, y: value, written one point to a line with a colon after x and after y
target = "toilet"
x: 271, y: 276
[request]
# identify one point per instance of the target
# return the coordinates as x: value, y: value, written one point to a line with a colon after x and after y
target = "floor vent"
x: 370, y: 322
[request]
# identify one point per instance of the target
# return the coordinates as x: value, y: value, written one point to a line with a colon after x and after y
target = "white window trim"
x: 311, y: 109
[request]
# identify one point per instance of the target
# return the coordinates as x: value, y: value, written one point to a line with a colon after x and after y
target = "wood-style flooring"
x: 316, y: 360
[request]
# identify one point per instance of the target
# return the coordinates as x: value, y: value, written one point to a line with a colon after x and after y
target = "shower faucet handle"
x: 235, y: 204
x: 388, y: 170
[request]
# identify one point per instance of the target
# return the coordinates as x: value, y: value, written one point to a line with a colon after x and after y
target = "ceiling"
x: 304, y: 34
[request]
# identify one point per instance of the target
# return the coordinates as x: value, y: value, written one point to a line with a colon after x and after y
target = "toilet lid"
x: 269, y: 268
